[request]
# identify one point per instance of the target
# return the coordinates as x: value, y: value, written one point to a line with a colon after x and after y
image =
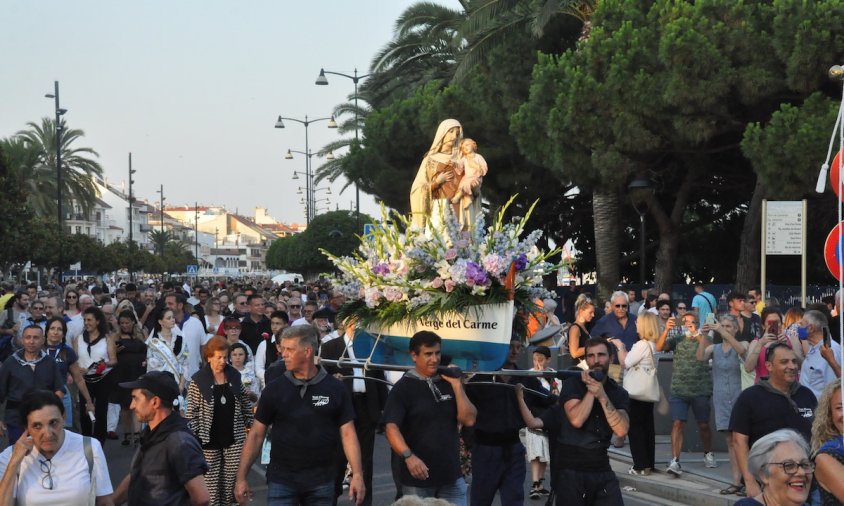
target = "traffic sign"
x: 369, y: 230
x: 192, y: 270
x: 830, y: 249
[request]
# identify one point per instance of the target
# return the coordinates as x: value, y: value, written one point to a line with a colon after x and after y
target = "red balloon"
x: 834, y: 176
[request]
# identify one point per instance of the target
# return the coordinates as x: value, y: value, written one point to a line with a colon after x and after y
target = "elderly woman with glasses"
x: 780, y: 463
x: 49, y: 464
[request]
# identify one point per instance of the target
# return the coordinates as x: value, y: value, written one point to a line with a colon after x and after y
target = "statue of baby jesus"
x: 473, y: 168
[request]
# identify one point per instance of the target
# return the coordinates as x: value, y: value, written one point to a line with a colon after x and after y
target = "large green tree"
x: 38, y: 166
x: 665, y: 90
x: 336, y: 232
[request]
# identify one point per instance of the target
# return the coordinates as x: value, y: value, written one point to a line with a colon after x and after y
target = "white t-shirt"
x: 193, y: 336
x: 69, y: 470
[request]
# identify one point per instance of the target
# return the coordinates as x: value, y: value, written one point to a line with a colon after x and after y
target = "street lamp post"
x: 196, y: 232
x: 321, y: 80
x: 163, y: 242
x: 638, y: 188
x: 131, y: 212
x: 310, y: 187
x: 306, y: 122
x: 59, y: 113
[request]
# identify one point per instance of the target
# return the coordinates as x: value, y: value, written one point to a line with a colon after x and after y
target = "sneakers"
x: 639, y: 472
x: 674, y: 468
x: 537, y: 490
x: 709, y: 460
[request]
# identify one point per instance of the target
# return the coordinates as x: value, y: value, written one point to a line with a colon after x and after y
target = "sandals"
x: 732, y: 489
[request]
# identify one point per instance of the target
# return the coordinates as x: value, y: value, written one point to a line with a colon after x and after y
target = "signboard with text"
x: 784, y: 228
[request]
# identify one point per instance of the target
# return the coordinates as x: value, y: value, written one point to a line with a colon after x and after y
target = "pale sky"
x: 193, y: 88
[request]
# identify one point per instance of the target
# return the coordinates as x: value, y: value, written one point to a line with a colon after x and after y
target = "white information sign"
x: 784, y: 228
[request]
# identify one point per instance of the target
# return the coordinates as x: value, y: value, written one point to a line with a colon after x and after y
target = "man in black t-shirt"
x: 594, y: 412
x: 778, y: 402
x: 421, y: 417
x: 312, y: 415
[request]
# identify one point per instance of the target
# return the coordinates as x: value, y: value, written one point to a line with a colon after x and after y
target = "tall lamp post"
x: 306, y: 122
x: 196, y: 232
x: 321, y: 80
x: 163, y: 242
x: 59, y: 113
x: 310, y: 187
x: 131, y: 212
x: 638, y: 190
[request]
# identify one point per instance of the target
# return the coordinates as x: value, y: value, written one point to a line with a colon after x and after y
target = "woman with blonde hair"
x: 584, y: 311
x: 642, y: 434
x: 828, y: 446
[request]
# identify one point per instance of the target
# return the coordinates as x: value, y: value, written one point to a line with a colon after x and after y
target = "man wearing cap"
x: 323, y: 320
x: 311, y: 414
x: 169, y: 467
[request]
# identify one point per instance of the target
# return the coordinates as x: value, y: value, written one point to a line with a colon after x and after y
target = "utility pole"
x: 59, y: 202
x: 163, y: 241
x: 196, y: 232
x: 131, y: 226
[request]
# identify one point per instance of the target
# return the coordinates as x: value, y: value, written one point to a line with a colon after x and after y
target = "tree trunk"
x: 605, y: 208
x: 669, y: 235
x: 747, y: 268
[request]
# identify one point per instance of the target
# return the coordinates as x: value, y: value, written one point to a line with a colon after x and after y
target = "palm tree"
x: 424, y: 48
x: 38, y: 166
x: 490, y: 23
x: 159, y: 239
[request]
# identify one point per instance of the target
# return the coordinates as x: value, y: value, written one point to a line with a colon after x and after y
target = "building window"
x: 78, y: 229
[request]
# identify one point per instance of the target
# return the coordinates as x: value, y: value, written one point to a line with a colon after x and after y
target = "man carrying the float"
x: 594, y: 411
x: 422, y: 414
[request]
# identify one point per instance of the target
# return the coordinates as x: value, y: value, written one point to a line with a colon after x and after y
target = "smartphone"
x: 774, y: 328
x: 827, y: 340
x: 710, y: 319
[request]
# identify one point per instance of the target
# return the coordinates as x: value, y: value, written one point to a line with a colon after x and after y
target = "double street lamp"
x: 309, y: 197
x: 308, y: 173
x: 321, y: 80
x: 59, y: 113
x: 131, y: 212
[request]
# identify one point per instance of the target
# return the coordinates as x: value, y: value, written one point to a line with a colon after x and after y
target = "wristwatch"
x: 406, y: 454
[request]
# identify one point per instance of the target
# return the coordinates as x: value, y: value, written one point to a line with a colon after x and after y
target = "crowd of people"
x: 201, y: 380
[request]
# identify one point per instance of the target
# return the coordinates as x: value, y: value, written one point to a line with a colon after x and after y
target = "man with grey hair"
x: 820, y: 366
x: 311, y: 413
x: 619, y: 324
x: 778, y: 402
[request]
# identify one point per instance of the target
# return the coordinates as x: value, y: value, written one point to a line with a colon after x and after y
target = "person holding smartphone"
x: 820, y: 366
x: 773, y: 332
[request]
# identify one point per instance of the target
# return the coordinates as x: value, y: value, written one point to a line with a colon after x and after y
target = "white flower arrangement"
x: 403, y: 272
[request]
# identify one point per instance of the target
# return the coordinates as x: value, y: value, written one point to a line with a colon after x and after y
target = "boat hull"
x: 476, y: 340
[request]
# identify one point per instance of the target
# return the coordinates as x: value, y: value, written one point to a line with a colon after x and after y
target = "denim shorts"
x: 680, y: 408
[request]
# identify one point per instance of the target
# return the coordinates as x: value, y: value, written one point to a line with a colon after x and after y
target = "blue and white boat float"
x: 475, y: 340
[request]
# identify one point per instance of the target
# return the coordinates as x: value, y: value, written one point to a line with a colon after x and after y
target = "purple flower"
x: 475, y: 273
x: 381, y: 268
x: 521, y: 262
x: 451, y: 254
